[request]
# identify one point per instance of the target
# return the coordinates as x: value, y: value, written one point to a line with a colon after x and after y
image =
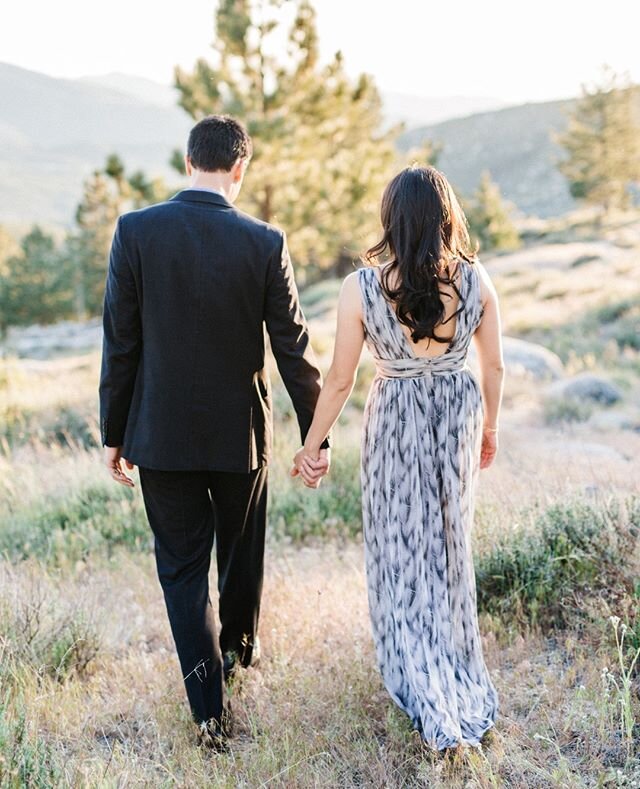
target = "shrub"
x: 537, y: 575
x: 25, y: 759
x: 68, y: 426
x: 332, y: 510
x: 566, y: 409
x: 68, y: 527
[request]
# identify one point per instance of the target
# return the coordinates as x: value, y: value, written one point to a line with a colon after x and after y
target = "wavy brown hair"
x: 425, y: 236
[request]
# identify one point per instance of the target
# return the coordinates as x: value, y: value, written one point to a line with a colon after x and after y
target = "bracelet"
x: 489, y: 429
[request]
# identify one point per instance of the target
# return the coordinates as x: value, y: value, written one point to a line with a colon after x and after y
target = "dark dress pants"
x: 186, y: 510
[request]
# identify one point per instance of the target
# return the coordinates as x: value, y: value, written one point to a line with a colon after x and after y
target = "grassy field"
x: 90, y: 689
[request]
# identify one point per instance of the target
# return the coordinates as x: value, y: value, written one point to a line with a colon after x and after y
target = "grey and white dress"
x: 420, y: 458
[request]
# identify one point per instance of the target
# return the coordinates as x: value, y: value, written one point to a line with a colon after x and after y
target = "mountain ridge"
x: 54, y: 132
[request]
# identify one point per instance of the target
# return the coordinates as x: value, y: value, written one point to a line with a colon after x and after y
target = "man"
x: 184, y: 396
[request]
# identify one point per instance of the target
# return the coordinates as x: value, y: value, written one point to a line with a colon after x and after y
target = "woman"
x: 428, y: 427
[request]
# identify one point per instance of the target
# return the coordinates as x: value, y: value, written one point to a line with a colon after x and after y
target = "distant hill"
x: 54, y: 132
x: 515, y: 144
x: 140, y: 88
x: 426, y: 110
x: 398, y: 107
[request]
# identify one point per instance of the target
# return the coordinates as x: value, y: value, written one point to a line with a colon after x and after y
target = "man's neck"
x: 212, y: 182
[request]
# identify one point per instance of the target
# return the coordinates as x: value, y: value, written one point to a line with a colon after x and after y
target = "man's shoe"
x: 215, y: 736
x: 255, y: 654
x: 229, y: 665
x: 212, y: 739
x: 231, y: 659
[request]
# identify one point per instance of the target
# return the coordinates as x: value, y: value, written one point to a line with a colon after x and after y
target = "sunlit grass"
x: 90, y: 690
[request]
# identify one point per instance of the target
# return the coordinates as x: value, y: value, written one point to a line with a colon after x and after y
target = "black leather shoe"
x: 229, y: 665
x: 215, y: 736
x: 231, y: 659
x: 255, y: 654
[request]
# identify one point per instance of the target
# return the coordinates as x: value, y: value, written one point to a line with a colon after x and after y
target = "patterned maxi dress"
x: 420, y: 458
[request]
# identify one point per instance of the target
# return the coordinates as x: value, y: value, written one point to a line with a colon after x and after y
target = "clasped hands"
x: 311, y: 467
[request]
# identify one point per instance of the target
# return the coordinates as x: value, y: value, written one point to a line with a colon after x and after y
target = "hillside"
x: 415, y: 111
x: 140, y: 88
x: 54, y: 132
x: 516, y: 146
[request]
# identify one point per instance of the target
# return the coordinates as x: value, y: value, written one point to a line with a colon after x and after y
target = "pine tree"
x: 602, y: 143
x: 88, y: 247
x: 489, y: 218
x: 9, y: 248
x: 107, y: 193
x: 321, y: 159
x: 36, y: 284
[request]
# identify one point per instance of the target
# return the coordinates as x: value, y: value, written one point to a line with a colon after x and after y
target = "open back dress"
x: 420, y: 458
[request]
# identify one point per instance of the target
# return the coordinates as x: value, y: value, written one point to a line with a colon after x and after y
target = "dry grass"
x: 314, y: 714
x: 90, y: 690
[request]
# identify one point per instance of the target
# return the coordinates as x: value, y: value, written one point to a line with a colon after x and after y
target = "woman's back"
x: 388, y: 340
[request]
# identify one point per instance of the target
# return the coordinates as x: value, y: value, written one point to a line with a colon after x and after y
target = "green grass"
x: 72, y: 427
x: 537, y: 575
x: 25, y: 759
x: 565, y: 409
x: 65, y: 528
x: 334, y: 510
x: 613, y: 325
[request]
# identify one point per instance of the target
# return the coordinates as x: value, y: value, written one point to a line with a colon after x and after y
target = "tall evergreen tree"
x: 9, y: 248
x: 320, y: 159
x: 602, y: 143
x: 107, y: 193
x: 88, y: 247
x: 489, y: 218
x: 35, y: 287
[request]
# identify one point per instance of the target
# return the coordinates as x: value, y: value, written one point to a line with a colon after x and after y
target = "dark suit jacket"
x: 192, y: 283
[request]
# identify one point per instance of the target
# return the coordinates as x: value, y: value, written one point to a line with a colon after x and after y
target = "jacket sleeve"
x: 121, y: 344
x: 289, y: 336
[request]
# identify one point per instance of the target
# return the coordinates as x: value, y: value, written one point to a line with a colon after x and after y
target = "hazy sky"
x: 501, y: 48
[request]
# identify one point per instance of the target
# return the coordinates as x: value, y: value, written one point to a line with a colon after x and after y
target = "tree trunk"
x: 266, y: 207
x: 344, y: 264
x: 80, y: 295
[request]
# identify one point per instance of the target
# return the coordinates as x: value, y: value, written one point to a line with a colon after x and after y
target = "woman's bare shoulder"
x: 487, y: 288
x: 351, y: 285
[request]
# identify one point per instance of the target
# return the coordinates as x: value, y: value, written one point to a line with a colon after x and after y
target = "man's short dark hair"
x: 217, y: 142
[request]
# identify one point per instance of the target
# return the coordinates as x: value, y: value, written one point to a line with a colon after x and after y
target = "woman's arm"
x: 341, y: 377
x: 488, y: 340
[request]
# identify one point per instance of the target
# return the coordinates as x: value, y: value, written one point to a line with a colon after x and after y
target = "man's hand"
x: 113, y: 460
x: 311, y: 469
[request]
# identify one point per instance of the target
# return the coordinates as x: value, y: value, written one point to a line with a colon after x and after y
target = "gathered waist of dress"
x: 420, y: 367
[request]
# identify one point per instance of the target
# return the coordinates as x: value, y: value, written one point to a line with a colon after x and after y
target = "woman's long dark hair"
x: 424, y: 232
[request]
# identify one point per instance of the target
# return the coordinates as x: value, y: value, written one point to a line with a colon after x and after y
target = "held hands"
x: 489, y: 446
x: 113, y: 460
x: 311, y: 467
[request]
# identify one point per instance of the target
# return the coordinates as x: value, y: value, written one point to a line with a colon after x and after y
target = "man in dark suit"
x: 184, y: 395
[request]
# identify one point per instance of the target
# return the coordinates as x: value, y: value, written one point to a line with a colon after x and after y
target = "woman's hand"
x: 311, y: 466
x: 489, y: 447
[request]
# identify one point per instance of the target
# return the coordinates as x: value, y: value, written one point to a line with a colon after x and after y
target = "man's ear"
x: 237, y: 170
x: 188, y: 167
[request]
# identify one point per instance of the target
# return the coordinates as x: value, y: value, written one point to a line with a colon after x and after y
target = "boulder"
x: 527, y: 359
x: 587, y: 386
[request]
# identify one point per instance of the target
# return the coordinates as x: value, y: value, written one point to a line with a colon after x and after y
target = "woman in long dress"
x: 428, y: 427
